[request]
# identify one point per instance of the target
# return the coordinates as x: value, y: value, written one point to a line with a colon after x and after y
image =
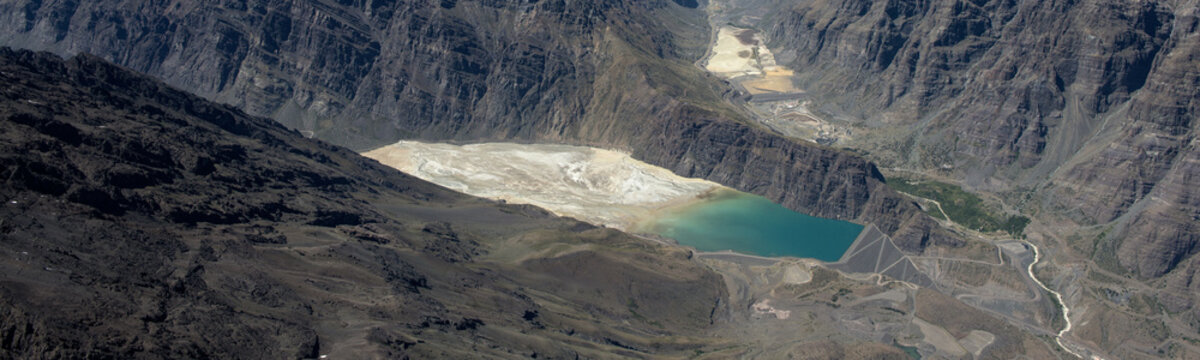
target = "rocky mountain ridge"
x: 1083, y: 112
x: 141, y: 221
x: 365, y: 73
x: 1101, y: 119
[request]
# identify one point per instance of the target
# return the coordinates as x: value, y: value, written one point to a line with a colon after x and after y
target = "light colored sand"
x: 795, y: 274
x: 593, y: 185
x: 753, y: 63
x: 777, y: 80
x: 727, y: 59
x: 940, y: 338
x: 976, y: 341
x: 764, y: 307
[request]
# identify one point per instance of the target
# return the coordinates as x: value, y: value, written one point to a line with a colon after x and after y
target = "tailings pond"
x: 750, y: 224
x: 612, y: 189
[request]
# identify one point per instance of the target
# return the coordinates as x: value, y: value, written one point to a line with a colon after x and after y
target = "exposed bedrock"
x: 831, y: 183
x: 615, y: 74
x: 139, y: 221
x: 1091, y: 105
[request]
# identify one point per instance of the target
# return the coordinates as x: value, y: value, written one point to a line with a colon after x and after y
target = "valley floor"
x: 1005, y: 287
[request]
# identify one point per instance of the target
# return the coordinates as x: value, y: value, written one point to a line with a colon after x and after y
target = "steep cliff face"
x: 1090, y: 103
x: 965, y: 69
x: 143, y: 222
x: 616, y: 74
x: 835, y: 184
x: 365, y: 73
x: 1146, y: 176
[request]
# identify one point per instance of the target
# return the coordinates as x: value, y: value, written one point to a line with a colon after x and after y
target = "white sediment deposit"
x: 732, y: 57
x: 797, y: 275
x: 742, y: 54
x: 764, y: 307
x: 593, y: 185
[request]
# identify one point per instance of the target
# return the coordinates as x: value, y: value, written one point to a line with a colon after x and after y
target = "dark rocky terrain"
x: 1082, y: 113
x: 1079, y: 114
x: 616, y: 74
x: 140, y: 221
x: 143, y: 222
x: 1089, y: 105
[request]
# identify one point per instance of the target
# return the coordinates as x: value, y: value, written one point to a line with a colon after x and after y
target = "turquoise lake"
x: 751, y: 224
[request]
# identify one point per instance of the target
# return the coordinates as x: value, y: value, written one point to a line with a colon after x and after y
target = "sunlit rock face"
x: 594, y: 185
x: 618, y: 74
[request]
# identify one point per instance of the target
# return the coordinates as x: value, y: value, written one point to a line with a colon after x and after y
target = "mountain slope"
x: 1080, y: 112
x: 616, y: 74
x: 140, y: 221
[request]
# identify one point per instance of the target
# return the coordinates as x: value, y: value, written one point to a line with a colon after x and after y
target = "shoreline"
x: 744, y: 238
x: 594, y: 185
x: 677, y: 206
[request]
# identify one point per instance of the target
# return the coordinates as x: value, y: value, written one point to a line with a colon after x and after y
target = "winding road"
x: 1066, y: 311
x: 935, y: 202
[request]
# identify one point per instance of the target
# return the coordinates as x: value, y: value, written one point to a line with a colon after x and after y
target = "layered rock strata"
x: 139, y: 221
x: 367, y: 73
x: 1089, y: 105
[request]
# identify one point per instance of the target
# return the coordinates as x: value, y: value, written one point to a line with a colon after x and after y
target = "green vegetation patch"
x: 911, y: 351
x: 1104, y: 252
x: 961, y: 206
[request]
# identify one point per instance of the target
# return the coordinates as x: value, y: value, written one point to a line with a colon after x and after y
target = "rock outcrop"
x: 139, y: 221
x: 1089, y: 105
x: 616, y: 74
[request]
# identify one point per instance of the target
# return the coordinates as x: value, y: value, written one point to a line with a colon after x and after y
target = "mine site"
x: 618, y: 179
